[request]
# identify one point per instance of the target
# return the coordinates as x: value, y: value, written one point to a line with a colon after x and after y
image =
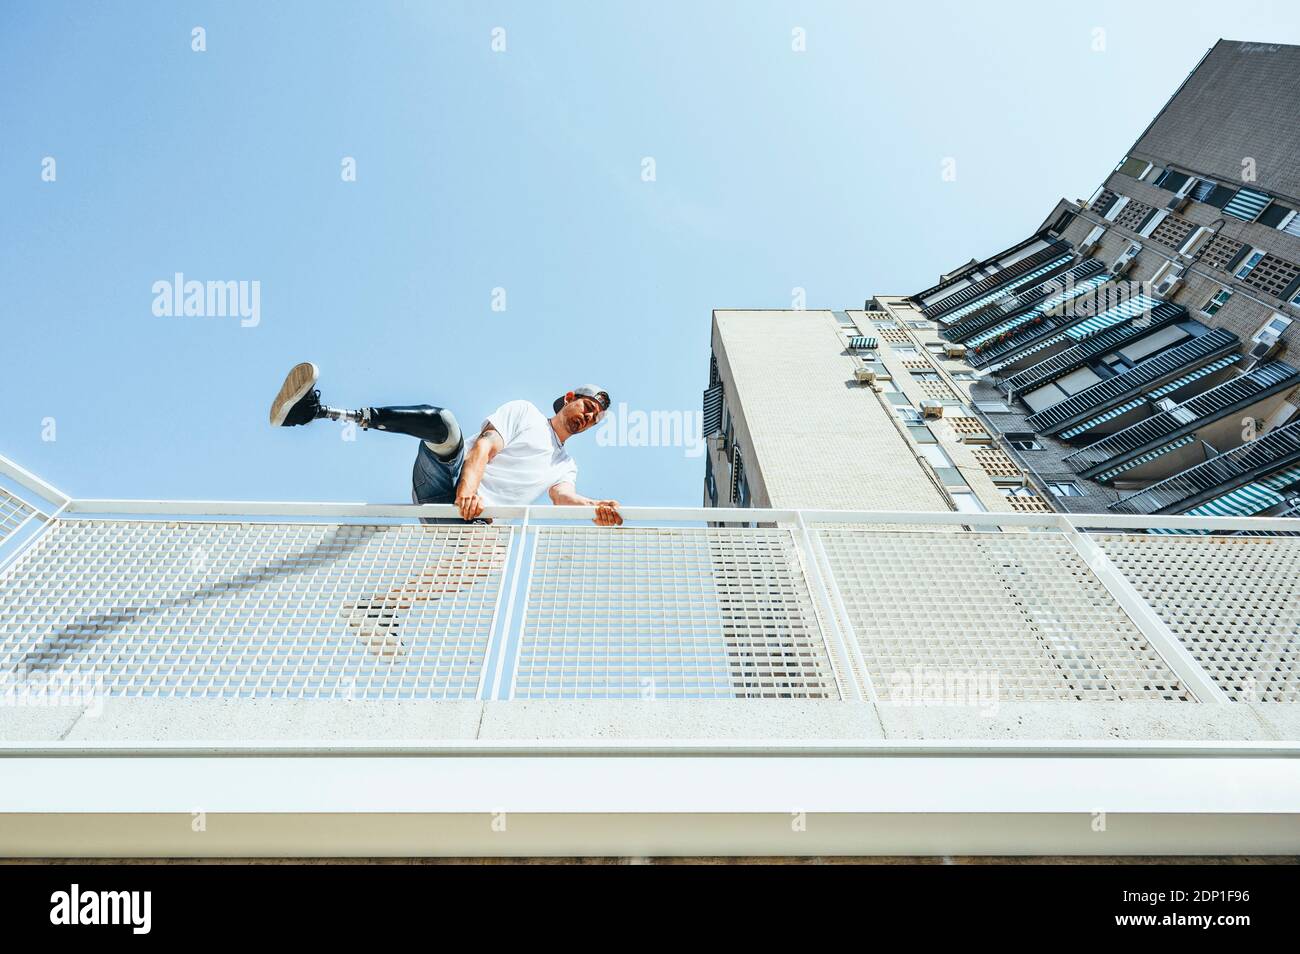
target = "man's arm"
x: 566, y: 495
x: 486, y: 446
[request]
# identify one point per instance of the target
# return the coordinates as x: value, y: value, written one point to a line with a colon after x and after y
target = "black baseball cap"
x: 599, y: 395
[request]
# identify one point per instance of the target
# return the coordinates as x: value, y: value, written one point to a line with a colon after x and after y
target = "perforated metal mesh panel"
x: 1234, y: 602
x: 13, y: 511
x: 256, y: 610
x: 1022, y: 608
x: 669, y: 613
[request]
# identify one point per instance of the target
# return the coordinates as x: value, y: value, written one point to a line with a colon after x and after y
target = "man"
x: 518, y: 453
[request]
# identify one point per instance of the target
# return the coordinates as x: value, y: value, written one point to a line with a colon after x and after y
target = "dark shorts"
x: 433, y: 481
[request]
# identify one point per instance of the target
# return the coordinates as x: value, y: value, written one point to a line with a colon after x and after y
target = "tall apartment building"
x: 1138, y: 353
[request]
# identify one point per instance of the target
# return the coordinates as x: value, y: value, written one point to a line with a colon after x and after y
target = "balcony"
x: 1265, y: 455
x: 1072, y: 356
x: 1156, y: 370
x: 338, y: 678
x: 1196, y: 416
x: 1034, y: 301
x: 1040, y: 265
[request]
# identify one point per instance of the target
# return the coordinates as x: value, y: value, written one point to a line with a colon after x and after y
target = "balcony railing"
x: 1213, y: 404
x: 250, y: 600
x: 333, y: 678
x: 1154, y: 370
x: 1266, y: 454
x: 1063, y: 362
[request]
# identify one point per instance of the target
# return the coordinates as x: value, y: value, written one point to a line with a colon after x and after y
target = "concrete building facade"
x: 1136, y: 353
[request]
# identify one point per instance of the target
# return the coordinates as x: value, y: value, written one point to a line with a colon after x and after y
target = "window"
x: 968, y: 503
x: 1021, y: 440
x: 921, y: 324
x: 1217, y: 301
x: 1171, y: 180
x: 1017, y: 491
x: 1273, y: 328
x: 993, y: 407
x: 843, y: 318
x: 965, y: 376
x: 1066, y: 489
x: 935, y: 455
x: 710, y: 484
x: 905, y: 351
x: 1219, y: 196
x: 1249, y: 264
x: 1136, y: 168
x: 1274, y: 216
x: 909, y: 414
x: 926, y: 376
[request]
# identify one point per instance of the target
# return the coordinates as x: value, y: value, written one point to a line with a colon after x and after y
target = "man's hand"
x: 607, y: 514
x: 470, y: 505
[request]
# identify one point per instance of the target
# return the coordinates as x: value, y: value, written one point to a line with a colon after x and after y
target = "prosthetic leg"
x: 298, y: 402
x: 377, y: 619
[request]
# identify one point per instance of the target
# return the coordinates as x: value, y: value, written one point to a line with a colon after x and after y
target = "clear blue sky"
x: 520, y: 170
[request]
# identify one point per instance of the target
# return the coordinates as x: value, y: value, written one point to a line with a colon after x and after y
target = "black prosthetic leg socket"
x: 418, y: 420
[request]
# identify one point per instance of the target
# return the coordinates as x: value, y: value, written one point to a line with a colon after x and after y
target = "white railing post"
x: 26, y: 478
x: 854, y: 683
x: 1143, y: 615
x: 502, y: 634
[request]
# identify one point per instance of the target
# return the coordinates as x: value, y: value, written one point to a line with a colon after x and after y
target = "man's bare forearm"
x: 471, y: 472
x: 571, y: 498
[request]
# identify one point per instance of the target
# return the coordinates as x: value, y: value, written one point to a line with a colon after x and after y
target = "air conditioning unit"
x: 932, y: 408
x: 952, y: 349
x: 864, y: 374
x: 1089, y: 244
x: 719, y: 442
x: 1166, y: 280
x: 1195, y: 242
x: 1125, y: 261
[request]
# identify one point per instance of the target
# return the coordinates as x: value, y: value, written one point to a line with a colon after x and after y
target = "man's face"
x: 579, y: 414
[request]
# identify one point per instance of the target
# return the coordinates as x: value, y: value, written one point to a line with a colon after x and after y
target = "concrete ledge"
x: 251, y: 720
x: 1280, y: 719
x: 676, y: 719
x: 267, y: 720
x: 37, y: 723
x: 1077, y: 720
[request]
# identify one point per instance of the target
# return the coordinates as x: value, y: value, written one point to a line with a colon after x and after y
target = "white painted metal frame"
x: 841, y: 645
x: 1161, y: 638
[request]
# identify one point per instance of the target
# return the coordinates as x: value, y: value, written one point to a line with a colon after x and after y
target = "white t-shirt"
x: 532, y: 461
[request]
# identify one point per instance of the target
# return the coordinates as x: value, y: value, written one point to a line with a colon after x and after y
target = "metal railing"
x: 1110, y: 391
x: 1218, y: 475
x: 1196, y: 412
x: 338, y: 601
